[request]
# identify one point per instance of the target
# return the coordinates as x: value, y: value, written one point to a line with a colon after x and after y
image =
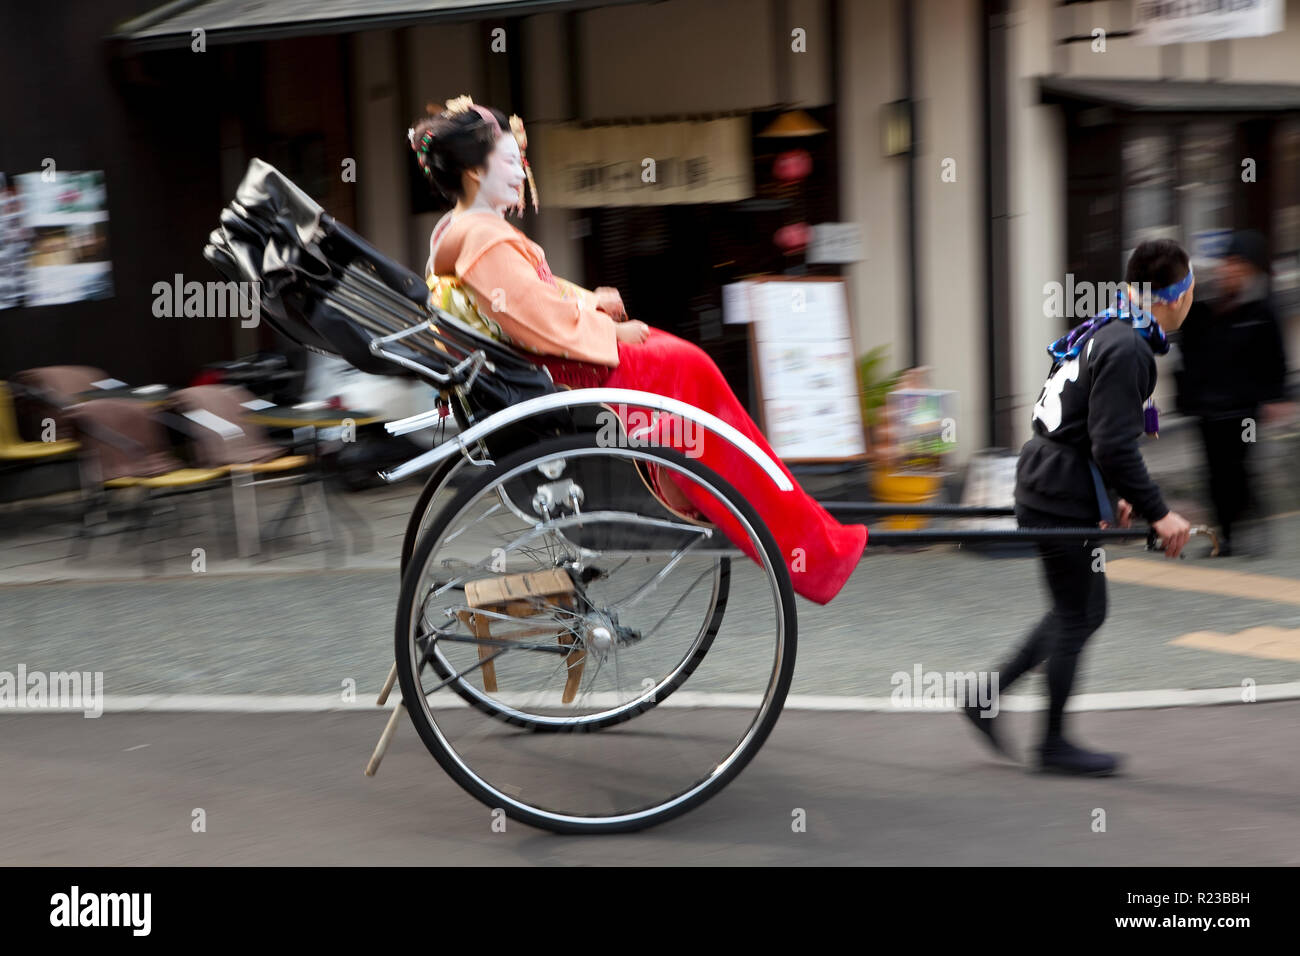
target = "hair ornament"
x: 517, y: 128
x: 466, y: 104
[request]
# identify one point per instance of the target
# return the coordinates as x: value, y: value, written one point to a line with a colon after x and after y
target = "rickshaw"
x: 554, y: 605
x: 554, y: 602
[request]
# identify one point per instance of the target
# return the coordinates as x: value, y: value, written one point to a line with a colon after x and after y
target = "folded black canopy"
x: 327, y: 289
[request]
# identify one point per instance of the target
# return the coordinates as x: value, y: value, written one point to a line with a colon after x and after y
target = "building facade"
x: 1029, y: 154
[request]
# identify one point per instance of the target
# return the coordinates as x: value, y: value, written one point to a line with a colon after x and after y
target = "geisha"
x: 586, y: 339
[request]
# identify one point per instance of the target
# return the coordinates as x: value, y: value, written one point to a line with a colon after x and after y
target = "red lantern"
x: 792, y: 165
x: 792, y: 238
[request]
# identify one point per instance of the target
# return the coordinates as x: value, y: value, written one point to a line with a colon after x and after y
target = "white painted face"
x: 501, y: 176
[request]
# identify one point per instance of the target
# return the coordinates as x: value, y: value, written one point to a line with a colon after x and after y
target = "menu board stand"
x: 804, y: 368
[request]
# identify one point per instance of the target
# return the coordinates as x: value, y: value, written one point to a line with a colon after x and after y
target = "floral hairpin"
x: 517, y: 128
x: 461, y: 104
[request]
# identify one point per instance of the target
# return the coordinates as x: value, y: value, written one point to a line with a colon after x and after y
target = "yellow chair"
x: 172, y: 480
x: 128, y: 450
x: 12, y: 446
x: 226, y: 438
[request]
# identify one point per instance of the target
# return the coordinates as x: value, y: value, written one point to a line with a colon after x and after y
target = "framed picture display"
x: 64, y: 238
x: 805, y: 368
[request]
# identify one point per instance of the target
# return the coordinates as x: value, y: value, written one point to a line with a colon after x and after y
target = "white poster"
x: 15, y: 240
x: 65, y: 215
x: 735, y: 302
x: 807, y: 369
x: 836, y: 242
x: 1160, y: 22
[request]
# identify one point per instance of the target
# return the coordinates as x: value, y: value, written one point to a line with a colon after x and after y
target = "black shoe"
x: 985, y: 726
x: 1060, y: 756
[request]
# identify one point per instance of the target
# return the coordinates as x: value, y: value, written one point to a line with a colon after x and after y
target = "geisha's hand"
x: 610, y: 302
x: 632, y: 331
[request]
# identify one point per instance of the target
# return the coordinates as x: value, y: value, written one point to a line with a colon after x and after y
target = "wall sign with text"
x: 650, y: 164
x: 1160, y: 22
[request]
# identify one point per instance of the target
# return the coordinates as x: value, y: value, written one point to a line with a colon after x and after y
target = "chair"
x: 14, y: 449
x: 48, y: 391
x: 127, y: 448
x: 15, y: 453
x: 224, y: 438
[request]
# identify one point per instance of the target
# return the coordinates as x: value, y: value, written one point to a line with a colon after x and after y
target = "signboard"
x: 735, y: 303
x: 1160, y: 22
x: 991, y: 483
x: 834, y: 242
x: 805, y: 366
x: 646, y: 164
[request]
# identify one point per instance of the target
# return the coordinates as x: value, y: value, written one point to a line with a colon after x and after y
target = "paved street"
x: 1208, y: 785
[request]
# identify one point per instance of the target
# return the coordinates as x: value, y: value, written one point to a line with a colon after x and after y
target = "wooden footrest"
x: 496, y: 593
x: 518, y: 596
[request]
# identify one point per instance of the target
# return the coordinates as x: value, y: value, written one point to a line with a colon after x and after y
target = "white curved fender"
x: 567, y: 399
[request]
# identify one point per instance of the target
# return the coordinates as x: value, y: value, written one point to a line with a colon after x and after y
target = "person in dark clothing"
x: 1087, y: 423
x: 1234, y: 362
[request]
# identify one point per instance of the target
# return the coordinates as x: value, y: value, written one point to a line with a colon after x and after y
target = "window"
x: 1149, y: 211
x: 1207, y: 163
x: 1286, y: 213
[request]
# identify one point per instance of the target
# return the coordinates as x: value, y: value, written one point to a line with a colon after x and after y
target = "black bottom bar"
x: 884, y: 508
x: 963, y: 536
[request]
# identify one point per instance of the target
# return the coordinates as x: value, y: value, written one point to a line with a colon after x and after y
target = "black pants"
x: 1225, y: 453
x: 1078, y: 594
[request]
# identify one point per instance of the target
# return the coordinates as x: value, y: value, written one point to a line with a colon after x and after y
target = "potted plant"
x: 875, y: 384
x: 909, y: 445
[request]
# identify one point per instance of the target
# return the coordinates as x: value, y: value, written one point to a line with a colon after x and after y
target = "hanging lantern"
x: 792, y: 165
x: 793, y: 238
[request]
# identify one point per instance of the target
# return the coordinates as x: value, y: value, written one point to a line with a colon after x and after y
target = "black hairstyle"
x: 1252, y: 247
x: 1161, y: 262
x: 447, y: 144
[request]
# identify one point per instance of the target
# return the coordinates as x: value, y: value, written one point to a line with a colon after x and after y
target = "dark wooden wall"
x: 156, y: 124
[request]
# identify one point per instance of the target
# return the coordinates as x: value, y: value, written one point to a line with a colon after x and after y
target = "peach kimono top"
x: 508, y: 276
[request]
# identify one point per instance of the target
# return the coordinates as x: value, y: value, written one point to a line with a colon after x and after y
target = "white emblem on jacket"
x: 1048, y: 407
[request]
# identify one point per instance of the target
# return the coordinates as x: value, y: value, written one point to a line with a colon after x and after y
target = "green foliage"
x: 875, y: 382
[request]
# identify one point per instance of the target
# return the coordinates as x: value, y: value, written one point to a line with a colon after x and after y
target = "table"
x: 295, y: 417
x: 157, y: 396
x: 291, y: 416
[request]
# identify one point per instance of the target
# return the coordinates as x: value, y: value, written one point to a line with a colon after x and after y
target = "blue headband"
x: 1171, y: 293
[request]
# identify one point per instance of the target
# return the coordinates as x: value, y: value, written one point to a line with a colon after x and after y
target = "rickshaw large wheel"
x: 427, y: 512
x: 555, y: 593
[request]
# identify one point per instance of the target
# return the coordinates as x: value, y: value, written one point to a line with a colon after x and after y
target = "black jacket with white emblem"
x: 1092, y: 405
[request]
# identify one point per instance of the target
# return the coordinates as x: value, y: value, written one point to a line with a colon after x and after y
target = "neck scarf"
x: 1070, y: 344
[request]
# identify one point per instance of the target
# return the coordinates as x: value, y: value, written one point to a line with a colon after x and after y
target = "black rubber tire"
x: 411, y: 690
x: 422, y: 503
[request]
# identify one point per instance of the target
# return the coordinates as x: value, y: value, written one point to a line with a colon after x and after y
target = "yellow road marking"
x: 1271, y: 643
x: 1177, y: 576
